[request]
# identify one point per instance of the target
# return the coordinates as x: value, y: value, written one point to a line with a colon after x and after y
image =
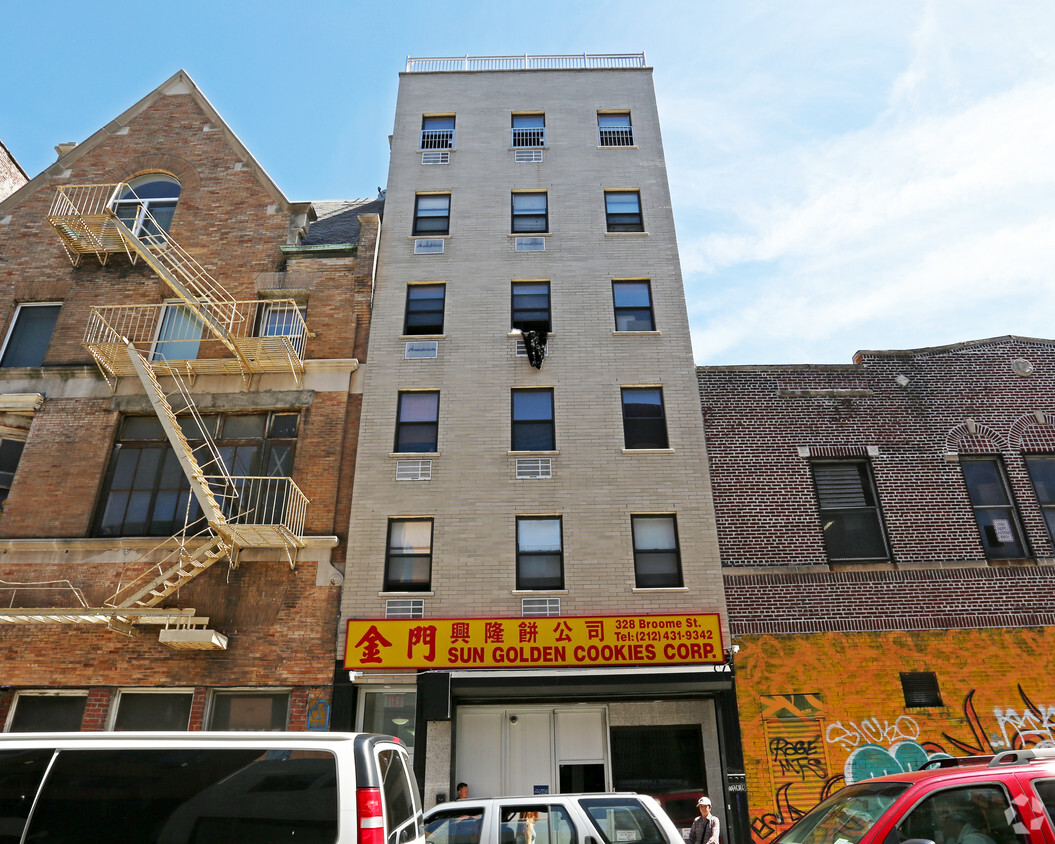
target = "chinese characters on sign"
x: 533, y: 642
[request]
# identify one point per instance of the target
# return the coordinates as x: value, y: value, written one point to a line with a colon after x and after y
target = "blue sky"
x: 845, y: 175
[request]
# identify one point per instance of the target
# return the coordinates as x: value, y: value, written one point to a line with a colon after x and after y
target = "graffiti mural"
x: 800, y: 746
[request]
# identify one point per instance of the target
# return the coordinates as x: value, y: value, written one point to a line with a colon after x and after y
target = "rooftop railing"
x: 526, y: 62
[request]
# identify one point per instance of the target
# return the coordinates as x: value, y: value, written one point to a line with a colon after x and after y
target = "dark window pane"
x: 849, y: 512
x: 1042, y: 473
x: 531, y: 305
x: 249, y: 711
x: 623, y: 211
x: 660, y: 760
x: 529, y: 212
x: 153, y: 711
x: 48, y: 713
x: 633, y: 306
x: 644, y: 425
x: 984, y: 482
x: 408, y: 563
x: 28, y: 341
x: 993, y: 509
x: 425, y: 309
x: 533, y: 420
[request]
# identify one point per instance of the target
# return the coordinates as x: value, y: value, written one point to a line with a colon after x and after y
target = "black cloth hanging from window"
x: 535, y: 344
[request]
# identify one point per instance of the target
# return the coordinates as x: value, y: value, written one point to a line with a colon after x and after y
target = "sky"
x: 845, y: 175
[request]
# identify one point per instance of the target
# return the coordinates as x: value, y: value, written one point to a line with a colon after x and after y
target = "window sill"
x: 429, y: 236
x: 413, y: 337
x: 530, y: 234
x: 540, y: 592
x: 648, y: 451
x: 617, y: 146
x: 437, y: 149
x: 517, y: 333
x: 413, y: 455
x: 654, y: 589
x: 634, y: 333
x: 625, y: 234
x: 522, y: 453
x: 406, y: 594
x: 514, y: 149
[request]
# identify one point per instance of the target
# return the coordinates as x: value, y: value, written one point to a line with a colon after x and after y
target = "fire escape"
x: 204, y: 331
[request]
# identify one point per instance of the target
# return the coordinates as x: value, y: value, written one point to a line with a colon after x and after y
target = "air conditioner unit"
x: 539, y: 606
x: 534, y: 468
x: 436, y: 157
x: 405, y: 608
x: 413, y: 470
x: 527, y: 156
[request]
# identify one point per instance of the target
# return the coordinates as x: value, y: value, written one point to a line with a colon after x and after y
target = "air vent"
x: 405, y: 608
x: 530, y: 244
x: 421, y: 349
x: 527, y: 156
x: 429, y: 246
x: 539, y: 606
x: 436, y: 157
x: 521, y: 349
x: 413, y: 470
x: 534, y: 468
x: 920, y: 688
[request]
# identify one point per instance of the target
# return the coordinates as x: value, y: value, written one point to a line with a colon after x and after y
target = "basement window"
x: 920, y: 689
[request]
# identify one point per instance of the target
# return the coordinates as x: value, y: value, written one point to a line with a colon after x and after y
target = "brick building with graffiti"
x: 885, y: 530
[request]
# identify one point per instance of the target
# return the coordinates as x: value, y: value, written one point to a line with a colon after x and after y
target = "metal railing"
x: 249, y: 500
x: 437, y: 139
x: 172, y: 332
x: 526, y: 62
x: 532, y: 137
x: 86, y: 200
x: 616, y: 136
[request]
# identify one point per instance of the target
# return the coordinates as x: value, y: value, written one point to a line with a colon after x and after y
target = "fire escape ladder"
x: 188, y: 459
x: 184, y: 563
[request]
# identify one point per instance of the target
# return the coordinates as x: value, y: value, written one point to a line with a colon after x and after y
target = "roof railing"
x: 578, y: 61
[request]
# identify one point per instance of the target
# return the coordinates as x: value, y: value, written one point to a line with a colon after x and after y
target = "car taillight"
x: 371, y: 817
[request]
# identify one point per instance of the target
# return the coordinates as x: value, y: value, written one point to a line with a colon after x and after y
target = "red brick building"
x: 179, y: 408
x: 886, y: 533
x: 12, y: 176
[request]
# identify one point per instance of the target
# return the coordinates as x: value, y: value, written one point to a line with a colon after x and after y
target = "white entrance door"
x: 502, y: 750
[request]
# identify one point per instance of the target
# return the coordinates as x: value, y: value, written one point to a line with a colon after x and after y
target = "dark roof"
x: 338, y: 220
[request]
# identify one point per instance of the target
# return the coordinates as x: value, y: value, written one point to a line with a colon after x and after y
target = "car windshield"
x: 846, y: 816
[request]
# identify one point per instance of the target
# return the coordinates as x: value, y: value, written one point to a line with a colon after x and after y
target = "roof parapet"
x: 579, y: 61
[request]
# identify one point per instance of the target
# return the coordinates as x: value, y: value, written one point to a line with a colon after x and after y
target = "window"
x: 10, y: 454
x: 614, y: 129
x: 920, y: 688
x: 849, y: 511
x: 1041, y: 472
x: 424, y: 309
x: 531, y: 306
x: 633, y: 306
x: 437, y: 132
x: 418, y: 423
x: 657, y: 561
x: 179, y: 334
x: 48, y: 713
x: 530, y: 213
x: 533, y: 421
x: 390, y: 712
x: 249, y: 710
x: 29, y: 336
x: 622, y: 209
x: 994, y: 510
x: 281, y: 318
x: 537, y: 823
x: 148, y: 205
x: 146, y: 492
x: 402, y: 812
x: 540, y: 559
x: 980, y: 812
x: 432, y: 214
x: 408, y: 560
x: 153, y: 711
x: 644, y: 422
x: 455, y: 826
x: 529, y: 130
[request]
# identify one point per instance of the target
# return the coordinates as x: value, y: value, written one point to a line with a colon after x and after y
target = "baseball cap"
x: 703, y: 801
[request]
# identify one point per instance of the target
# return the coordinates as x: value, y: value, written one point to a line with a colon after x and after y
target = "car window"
x: 1046, y: 792
x: 980, y: 814
x: 535, y: 824
x: 622, y: 820
x: 20, y: 775
x: 847, y: 815
x: 401, y: 816
x: 454, y: 826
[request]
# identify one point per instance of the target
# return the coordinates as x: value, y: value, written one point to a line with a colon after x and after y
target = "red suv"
x: 1004, y: 799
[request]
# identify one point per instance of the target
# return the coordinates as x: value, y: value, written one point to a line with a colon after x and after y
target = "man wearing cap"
x: 705, y: 828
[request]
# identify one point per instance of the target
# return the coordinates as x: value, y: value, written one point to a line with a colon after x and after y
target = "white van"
x: 207, y: 788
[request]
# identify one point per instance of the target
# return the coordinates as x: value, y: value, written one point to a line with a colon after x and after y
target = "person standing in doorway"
x: 704, y: 829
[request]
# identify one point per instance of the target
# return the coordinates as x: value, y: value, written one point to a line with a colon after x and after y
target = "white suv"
x: 622, y: 818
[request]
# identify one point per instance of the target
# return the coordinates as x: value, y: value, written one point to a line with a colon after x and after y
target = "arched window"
x: 146, y: 206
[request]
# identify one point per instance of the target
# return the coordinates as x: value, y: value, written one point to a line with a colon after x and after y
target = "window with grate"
x: 849, y: 511
x: 437, y: 131
x: 529, y: 130
x: 614, y: 129
x: 146, y: 493
x: 920, y: 688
